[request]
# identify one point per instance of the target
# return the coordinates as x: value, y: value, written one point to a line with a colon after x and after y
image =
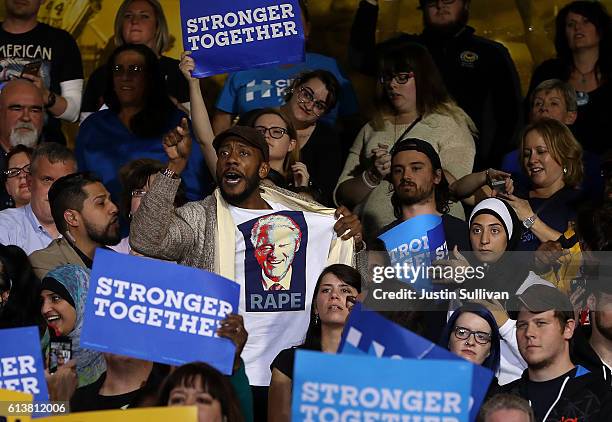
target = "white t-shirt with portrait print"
x: 294, y: 246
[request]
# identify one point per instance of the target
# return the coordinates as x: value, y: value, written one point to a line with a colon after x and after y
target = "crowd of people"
x: 266, y: 192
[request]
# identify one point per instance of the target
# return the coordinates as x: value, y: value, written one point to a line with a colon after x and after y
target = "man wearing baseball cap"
x: 557, y: 389
x: 214, y: 234
x: 420, y: 188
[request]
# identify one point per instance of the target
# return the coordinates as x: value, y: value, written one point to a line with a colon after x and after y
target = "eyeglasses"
x: 275, y: 132
x: 350, y: 301
x: 132, y: 69
x: 481, y: 337
x: 138, y: 193
x: 16, y: 171
x: 306, y: 96
x: 399, y: 78
x: 434, y: 3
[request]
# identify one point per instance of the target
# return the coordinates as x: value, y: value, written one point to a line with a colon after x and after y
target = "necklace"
x: 583, y: 76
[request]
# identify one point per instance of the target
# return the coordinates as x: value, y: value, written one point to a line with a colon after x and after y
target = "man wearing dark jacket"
x: 557, y: 389
x: 478, y: 72
x: 592, y: 344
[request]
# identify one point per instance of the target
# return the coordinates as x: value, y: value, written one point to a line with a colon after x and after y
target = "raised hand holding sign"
x: 241, y: 34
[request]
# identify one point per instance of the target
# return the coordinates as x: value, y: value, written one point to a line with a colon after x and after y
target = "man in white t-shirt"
x: 223, y: 234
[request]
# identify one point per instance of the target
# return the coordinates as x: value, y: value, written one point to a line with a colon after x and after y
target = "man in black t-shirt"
x: 592, y: 346
x: 47, y: 56
x: 420, y: 188
x: 556, y: 389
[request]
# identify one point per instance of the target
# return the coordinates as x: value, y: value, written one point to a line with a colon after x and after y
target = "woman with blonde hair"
x: 415, y: 104
x: 552, y: 160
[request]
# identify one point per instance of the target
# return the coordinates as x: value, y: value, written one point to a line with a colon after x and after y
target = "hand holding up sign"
x: 187, y: 65
x: 232, y: 327
x: 177, y: 144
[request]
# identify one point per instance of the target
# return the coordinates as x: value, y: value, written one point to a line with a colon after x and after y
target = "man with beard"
x: 207, y: 234
x: 593, y: 343
x: 31, y: 227
x: 478, y: 72
x: 86, y: 217
x: 21, y: 121
x: 47, y: 56
x: 556, y: 388
x: 420, y: 188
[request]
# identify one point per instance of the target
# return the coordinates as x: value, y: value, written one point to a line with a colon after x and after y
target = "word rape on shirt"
x: 253, y: 33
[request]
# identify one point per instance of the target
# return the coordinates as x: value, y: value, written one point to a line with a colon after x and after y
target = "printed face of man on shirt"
x: 277, y: 239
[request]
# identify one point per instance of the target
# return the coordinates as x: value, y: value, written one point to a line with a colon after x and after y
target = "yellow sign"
x: 151, y: 414
x: 11, y: 399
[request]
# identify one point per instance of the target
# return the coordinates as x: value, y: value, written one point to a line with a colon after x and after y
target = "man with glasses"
x: 21, y: 122
x: 86, y: 217
x: 478, y: 72
x: 32, y: 227
x: 557, y: 389
x: 49, y: 57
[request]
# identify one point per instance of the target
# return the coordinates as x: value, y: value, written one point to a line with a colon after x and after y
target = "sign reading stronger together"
x: 227, y: 36
x: 158, y: 311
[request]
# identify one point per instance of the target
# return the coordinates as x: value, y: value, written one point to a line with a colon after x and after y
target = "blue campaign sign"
x: 21, y: 364
x: 227, y: 36
x: 416, y: 242
x: 158, y: 311
x: 363, y: 388
x: 368, y: 333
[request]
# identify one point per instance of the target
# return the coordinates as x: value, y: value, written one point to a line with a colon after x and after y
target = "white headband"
x: 499, y: 208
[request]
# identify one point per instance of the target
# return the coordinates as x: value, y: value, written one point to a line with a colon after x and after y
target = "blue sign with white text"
x: 228, y: 36
x: 367, y: 332
x: 417, y: 242
x: 158, y: 311
x: 21, y: 364
x: 330, y: 387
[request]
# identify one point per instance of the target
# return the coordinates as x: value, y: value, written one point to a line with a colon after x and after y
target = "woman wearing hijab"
x: 495, y: 229
x: 63, y: 295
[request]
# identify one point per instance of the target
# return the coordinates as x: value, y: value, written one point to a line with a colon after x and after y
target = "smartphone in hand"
x: 31, y: 68
x: 60, y: 352
x: 499, y: 186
